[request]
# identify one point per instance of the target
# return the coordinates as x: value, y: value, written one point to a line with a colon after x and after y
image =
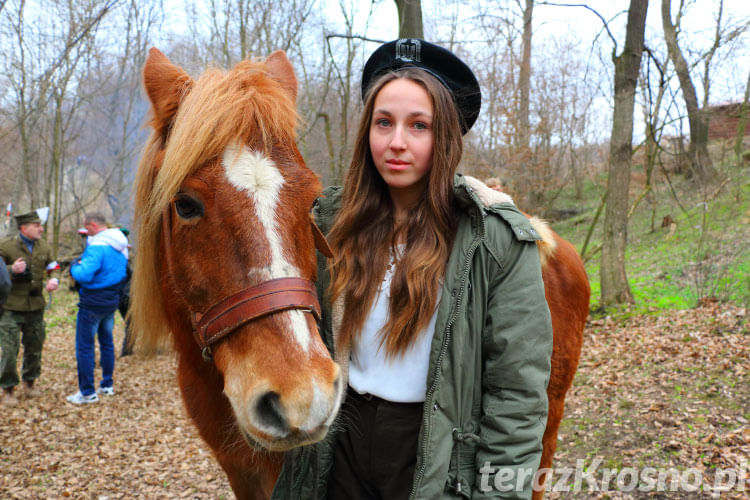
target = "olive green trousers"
x: 18, y: 328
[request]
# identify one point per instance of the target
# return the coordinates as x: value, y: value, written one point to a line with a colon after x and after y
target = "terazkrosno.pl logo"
x: 593, y: 478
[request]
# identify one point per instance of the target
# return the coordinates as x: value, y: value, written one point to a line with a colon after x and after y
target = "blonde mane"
x: 216, y: 109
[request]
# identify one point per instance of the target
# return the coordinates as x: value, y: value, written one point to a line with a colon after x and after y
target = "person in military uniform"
x: 27, y: 258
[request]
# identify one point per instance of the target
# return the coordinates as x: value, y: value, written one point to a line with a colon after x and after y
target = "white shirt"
x: 402, y: 378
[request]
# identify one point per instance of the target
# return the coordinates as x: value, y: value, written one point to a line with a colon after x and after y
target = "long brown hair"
x: 365, y: 233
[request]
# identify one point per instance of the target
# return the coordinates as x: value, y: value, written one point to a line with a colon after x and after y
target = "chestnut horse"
x: 226, y: 263
x: 567, y: 289
x: 222, y: 201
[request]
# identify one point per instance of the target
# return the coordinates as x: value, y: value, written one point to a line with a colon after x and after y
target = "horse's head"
x: 223, y: 201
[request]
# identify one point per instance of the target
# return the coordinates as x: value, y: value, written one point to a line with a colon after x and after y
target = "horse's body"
x: 567, y: 289
x: 222, y: 202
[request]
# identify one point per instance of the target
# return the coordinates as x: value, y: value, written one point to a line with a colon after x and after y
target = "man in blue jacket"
x: 101, y: 274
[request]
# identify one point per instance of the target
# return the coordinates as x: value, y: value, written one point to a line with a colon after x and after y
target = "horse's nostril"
x: 271, y: 413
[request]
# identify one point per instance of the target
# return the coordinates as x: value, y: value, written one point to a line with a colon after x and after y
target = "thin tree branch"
x: 350, y: 37
x: 604, y: 21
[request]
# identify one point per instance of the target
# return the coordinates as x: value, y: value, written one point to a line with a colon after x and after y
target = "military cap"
x: 28, y: 218
x: 439, y: 62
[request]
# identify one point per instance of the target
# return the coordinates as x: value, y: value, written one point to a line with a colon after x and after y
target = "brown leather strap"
x: 321, y: 243
x: 252, y: 303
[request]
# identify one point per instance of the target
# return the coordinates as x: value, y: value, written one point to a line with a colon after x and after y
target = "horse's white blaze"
x: 320, y: 410
x: 254, y: 173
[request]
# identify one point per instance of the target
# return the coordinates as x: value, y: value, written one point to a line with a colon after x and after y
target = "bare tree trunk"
x: 614, y: 282
x: 410, y: 19
x: 329, y: 139
x: 524, y: 79
x: 709, y: 57
x: 651, y: 113
x: 742, y: 122
x: 523, y: 133
x: 54, y: 199
x: 739, y: 141
x: 700, y: 161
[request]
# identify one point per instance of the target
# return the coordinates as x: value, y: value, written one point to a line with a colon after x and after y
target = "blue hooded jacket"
x: 101, y: 270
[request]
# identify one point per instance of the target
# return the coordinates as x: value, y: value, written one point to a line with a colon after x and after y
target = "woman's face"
x: 401, y: 139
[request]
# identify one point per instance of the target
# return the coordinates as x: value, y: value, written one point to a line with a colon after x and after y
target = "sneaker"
x: 107, y: 391
x: 78, y: 398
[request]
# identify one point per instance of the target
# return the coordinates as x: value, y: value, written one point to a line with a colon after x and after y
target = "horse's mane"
x: 216, y: 109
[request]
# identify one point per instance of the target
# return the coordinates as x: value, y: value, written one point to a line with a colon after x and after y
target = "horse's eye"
x: 187, y: 207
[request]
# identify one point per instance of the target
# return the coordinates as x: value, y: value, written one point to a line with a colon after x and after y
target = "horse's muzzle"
x: 280, y: 424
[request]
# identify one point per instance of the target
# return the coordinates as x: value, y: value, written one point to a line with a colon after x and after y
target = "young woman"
x: 434, y: 300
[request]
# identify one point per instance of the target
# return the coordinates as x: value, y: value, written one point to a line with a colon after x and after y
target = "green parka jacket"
x: 26, y: 293
x: 486, y: 402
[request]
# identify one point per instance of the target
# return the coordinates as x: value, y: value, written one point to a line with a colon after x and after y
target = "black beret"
x: 439, y: 62
x: 28, y: 218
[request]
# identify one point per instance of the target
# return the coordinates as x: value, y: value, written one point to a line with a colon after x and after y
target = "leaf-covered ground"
x: 135, y: 444
x: 667, y: 391
x: 662, y: 392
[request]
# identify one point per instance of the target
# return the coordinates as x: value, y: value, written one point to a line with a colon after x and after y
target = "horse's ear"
x: 166, y: 85
x: 282, y: 71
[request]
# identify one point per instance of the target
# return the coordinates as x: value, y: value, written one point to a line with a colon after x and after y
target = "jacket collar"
x: 475, y: 197
x: 25, y: 243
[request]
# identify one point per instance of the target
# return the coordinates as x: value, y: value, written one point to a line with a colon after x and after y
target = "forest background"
x: 72, y: 110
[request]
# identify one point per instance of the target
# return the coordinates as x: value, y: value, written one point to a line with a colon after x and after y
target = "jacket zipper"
x: 438, y: 364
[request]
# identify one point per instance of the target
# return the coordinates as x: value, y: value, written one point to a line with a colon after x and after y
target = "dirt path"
x: 660, y: 392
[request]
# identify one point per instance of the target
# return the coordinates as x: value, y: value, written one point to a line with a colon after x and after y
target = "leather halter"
x: 268, y: 297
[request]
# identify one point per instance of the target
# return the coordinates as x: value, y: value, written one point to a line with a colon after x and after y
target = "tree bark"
x: 524, y: 154
x: 329, y: 140
x: 700, y: 161
x: 54, y: 199
x: 410, y: 19
x: 524, y: 78
x: 614, y: 282
x: 742, y: 123
x: 653, y: 133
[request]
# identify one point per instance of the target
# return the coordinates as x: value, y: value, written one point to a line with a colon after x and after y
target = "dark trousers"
x: 16, y: 328
x: 375, y: 454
